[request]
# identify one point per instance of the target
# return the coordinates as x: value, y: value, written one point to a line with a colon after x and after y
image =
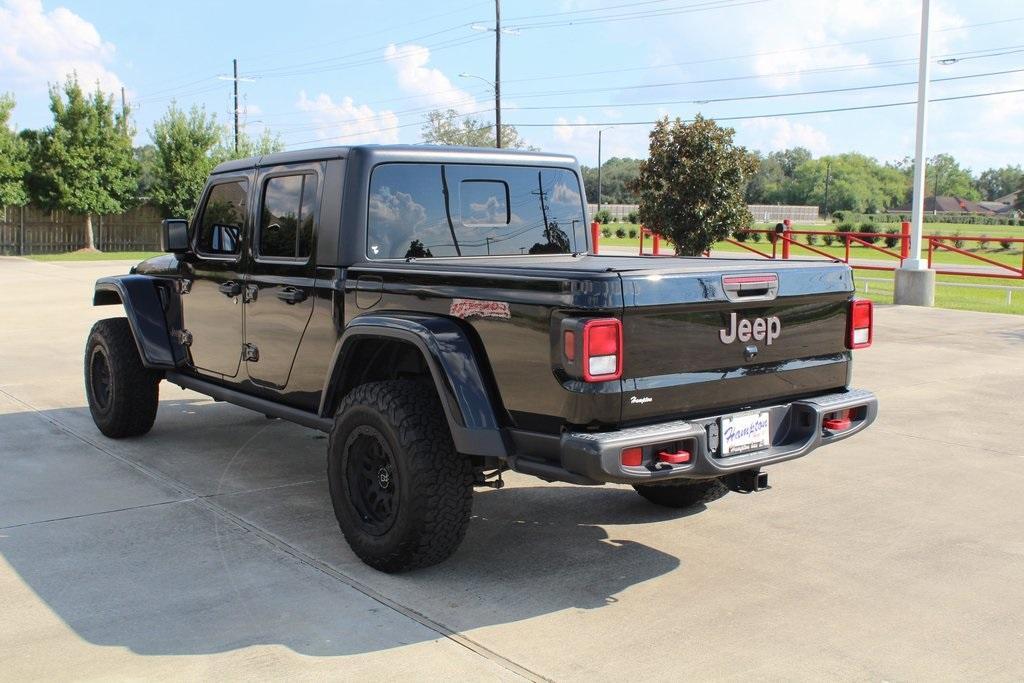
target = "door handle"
x: 291, y: 296
x: 230, y: 289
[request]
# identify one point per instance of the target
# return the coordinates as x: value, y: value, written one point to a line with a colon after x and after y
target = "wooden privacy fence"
x: 26, y: 230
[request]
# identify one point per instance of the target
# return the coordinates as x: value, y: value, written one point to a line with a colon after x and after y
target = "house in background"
x: 1003, y: 205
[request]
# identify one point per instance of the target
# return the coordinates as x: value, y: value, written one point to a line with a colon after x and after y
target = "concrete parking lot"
x: 208, y: 548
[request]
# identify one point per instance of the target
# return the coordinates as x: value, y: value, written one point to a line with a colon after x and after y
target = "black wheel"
x: 401, y: 493
x: 683, y: 493
x: 122, y: 393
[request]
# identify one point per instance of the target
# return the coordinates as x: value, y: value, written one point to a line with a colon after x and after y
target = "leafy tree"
x: 84, y: 163
x: 773, y: 182
x: 184, y: 144
x: 266, y: 143
x: 691, y: 186
x: 146, y: 158
x: 999, y: 182
x: 617, y: 174
x: 857, y: 183
x: 945, y: 178
x: 13, y: 158
x: 443, y: 127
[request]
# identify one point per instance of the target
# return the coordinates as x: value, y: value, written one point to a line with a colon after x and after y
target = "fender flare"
x: 145, y: 311
x: 453, y: 364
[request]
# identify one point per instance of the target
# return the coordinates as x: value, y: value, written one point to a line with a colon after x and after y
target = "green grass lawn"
x: 948, y: 295
x: 96, y: 256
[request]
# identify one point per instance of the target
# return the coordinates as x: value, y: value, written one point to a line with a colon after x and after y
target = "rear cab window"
x: 220, y: 227
x: 445, y: 210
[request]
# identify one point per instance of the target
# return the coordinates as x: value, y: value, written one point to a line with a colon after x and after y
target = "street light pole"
x: 915, y: 282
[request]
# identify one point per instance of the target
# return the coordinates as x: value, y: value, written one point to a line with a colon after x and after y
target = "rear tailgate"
x: 703, y: 335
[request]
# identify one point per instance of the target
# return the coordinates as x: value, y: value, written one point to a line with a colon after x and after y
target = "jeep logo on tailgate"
x: 758, y: 329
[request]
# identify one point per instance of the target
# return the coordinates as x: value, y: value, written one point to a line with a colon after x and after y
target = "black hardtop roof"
x: 397, y: 153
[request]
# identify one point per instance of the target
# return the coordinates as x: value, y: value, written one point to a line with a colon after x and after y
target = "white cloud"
x: 428, y: 83
x: 348, y: 123
x: 776, y: 134
x: 39, y: 47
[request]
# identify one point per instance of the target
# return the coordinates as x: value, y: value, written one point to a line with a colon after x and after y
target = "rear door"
x: 213, y: 280
x: 280, y: 289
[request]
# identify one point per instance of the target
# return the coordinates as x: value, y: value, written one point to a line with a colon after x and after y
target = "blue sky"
x: 345, y: 72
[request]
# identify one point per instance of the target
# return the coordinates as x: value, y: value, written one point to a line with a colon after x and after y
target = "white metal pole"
x: 917, y: 219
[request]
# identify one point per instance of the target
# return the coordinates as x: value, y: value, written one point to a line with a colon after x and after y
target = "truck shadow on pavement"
x: 228, y: 540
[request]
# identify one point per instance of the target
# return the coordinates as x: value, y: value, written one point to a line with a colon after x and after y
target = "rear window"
x: 433, y: 210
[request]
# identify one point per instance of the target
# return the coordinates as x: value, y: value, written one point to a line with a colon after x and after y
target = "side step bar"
x: 260, y: 405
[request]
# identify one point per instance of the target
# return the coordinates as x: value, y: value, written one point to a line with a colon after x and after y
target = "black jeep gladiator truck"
x: 441, y: 313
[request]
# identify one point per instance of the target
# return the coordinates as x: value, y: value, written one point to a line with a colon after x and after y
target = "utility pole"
x: 915, y: 282
x: 497, y: 73
x: 828, y: 181
x: 124, y: 110
x: 599, y: 133
x: 234, y: 63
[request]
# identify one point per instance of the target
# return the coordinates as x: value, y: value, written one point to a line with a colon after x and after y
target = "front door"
x: 280, y: 291
x: 212, y: 302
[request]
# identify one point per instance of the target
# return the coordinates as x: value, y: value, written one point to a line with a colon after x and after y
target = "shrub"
x: 756, y: 236
x: 606, y: 232
x: 838, y: 216
x: 632, y: 233
x: 740, y: 235
x: 847, y: 227
x: 811, y: 239
x: 620, y: 233
x: 957, y: 241
x: 603, y: 217
x: 828, y: 239
x: 869, y: 229
x: 892, y: 238
x: 632, y: 217
x: 983, y: 242
x: 1005, y: 244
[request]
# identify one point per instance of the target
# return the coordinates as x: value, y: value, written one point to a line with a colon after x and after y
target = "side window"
x: 286, y: 219
x: 220, y: 227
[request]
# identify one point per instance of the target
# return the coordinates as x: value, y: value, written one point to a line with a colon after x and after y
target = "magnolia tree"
x: 691, y: 187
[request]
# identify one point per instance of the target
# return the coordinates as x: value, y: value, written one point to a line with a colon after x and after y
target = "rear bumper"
x: 796, y: 431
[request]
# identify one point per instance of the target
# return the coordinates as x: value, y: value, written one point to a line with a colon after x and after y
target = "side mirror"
x: 174, y: 235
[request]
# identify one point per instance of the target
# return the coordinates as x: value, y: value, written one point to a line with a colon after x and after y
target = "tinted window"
x: 286, y: 220
x: 425, y: 210
x: 220, y: 228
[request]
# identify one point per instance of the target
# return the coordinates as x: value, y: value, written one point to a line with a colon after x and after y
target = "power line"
x: 629, y: 16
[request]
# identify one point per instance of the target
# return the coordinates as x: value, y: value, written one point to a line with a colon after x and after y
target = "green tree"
x: 184, y: 144
x: 84, y: 163
x: 13, y: 158
x: 773, y: 182
x: 691, y: 186
x: 945, y: 178
x: 266, y: 143
x: 617, y: 176
x: 999, y: 182
x: 856, y: 183
x: 444, y: 127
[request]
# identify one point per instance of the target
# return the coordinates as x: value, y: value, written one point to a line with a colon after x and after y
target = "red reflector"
x: 632, y: 457
x: 860, y: 330
x: 840, y: 424
x: 677, y: 458
x: 569, y: 345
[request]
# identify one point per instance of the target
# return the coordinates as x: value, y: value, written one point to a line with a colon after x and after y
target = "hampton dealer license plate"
x: 745, y: 432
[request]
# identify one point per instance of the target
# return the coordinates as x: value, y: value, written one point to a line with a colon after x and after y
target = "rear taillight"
x: 602, y: 350
x: 860, y: 325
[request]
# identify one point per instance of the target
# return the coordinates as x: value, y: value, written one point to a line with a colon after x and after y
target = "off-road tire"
x: 683, y: 493
x: 433, y: 483
x: 123, y: 394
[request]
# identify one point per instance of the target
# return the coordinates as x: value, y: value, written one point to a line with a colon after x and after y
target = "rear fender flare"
x: 145, y: 311
x: 454, y: 367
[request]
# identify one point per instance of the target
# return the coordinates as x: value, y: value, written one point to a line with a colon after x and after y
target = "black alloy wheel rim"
x: 99, y: 378
x: 372, y: 481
